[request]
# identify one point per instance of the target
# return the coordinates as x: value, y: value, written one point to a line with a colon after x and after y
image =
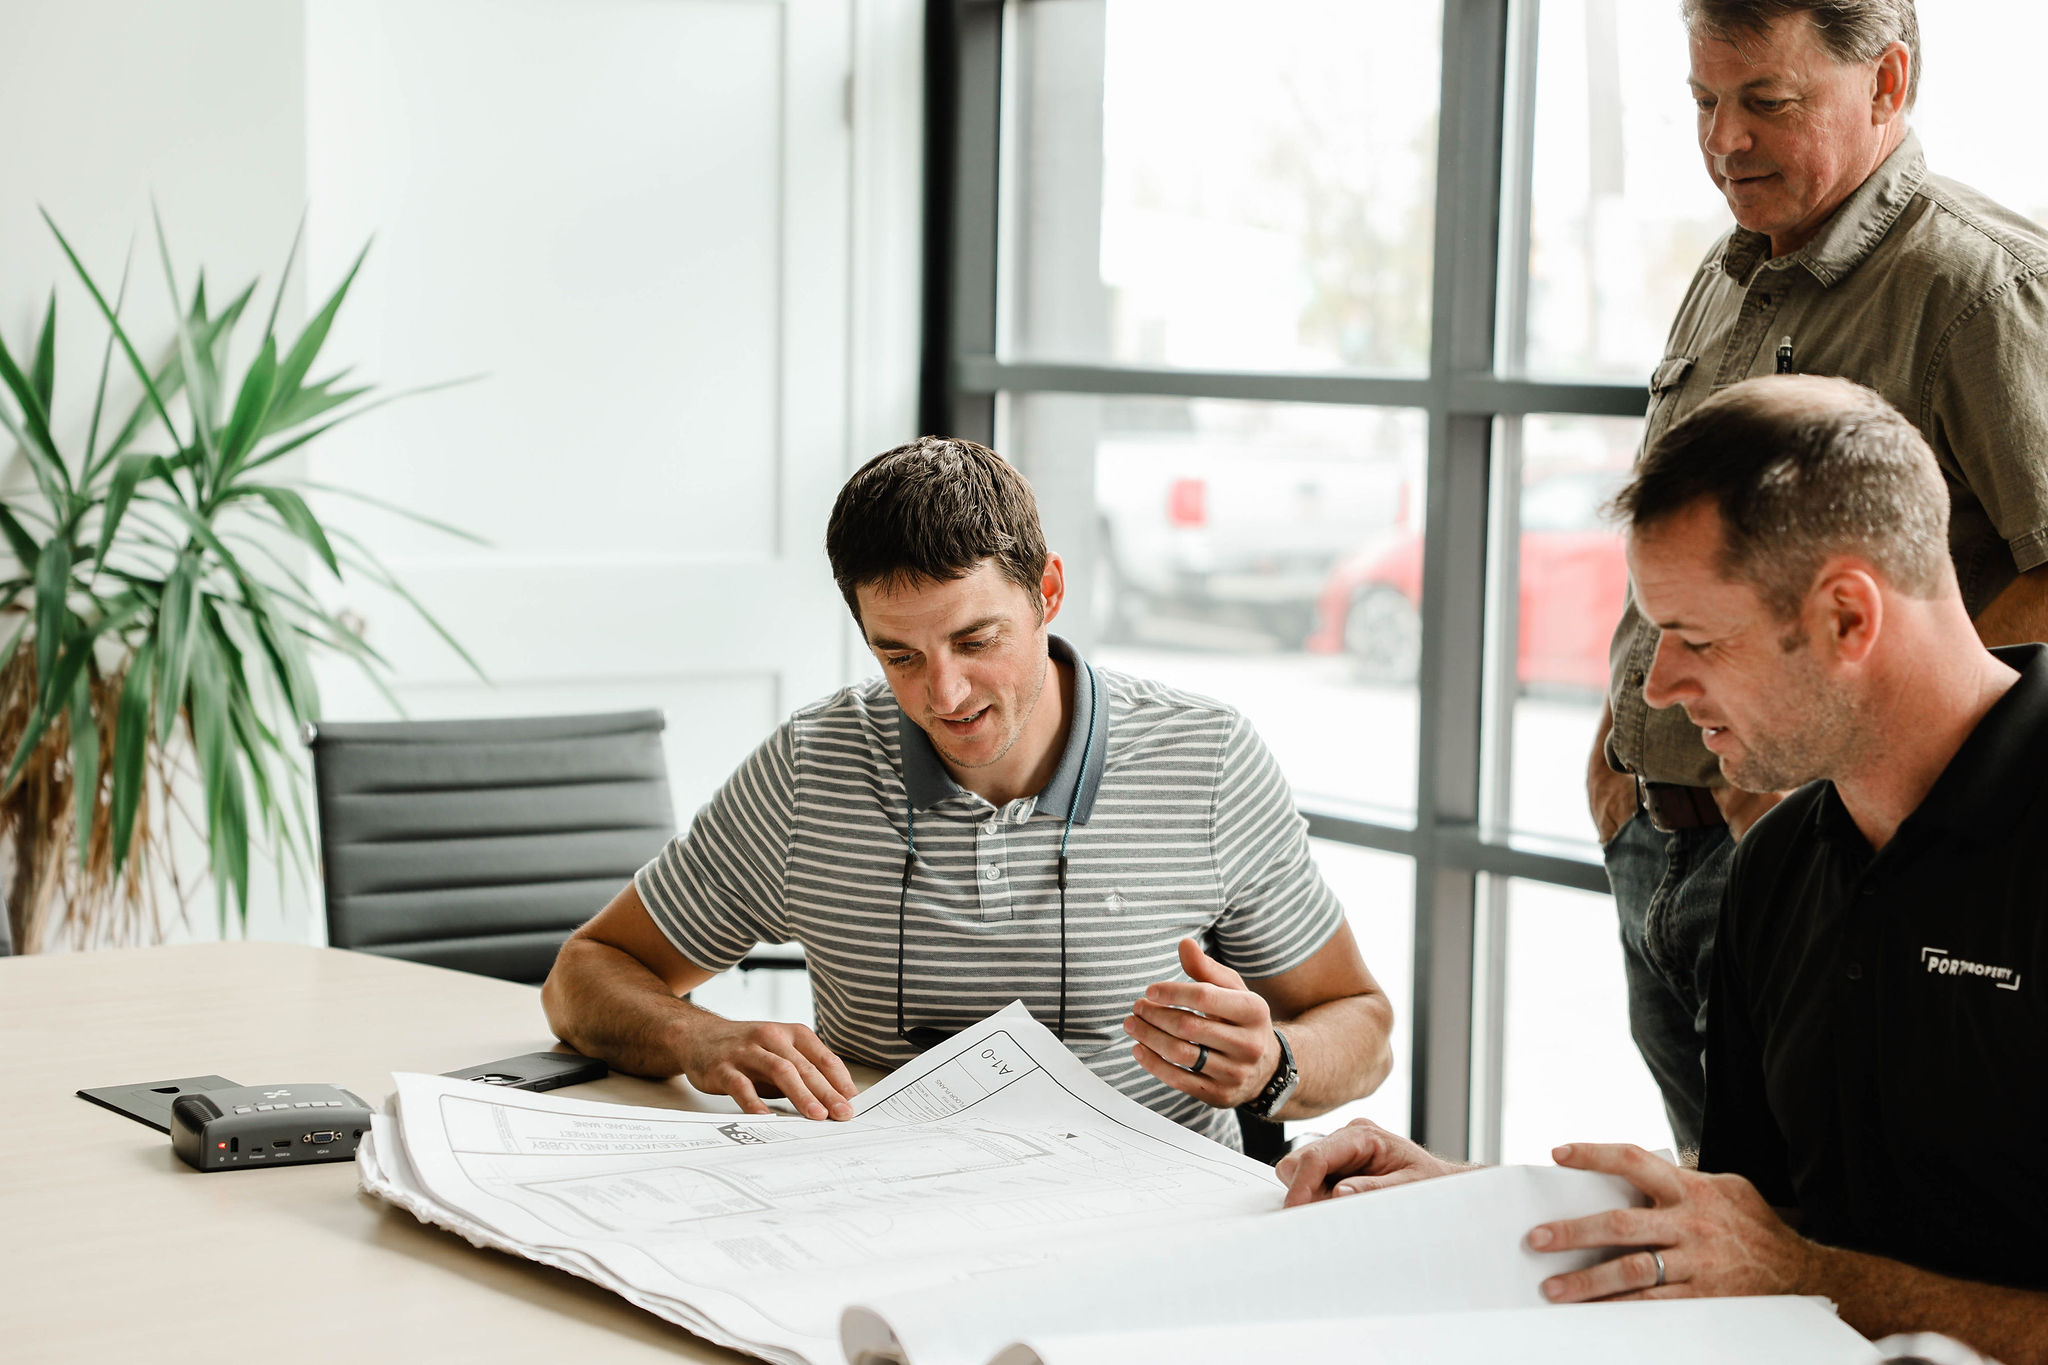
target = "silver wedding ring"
x: 1658, y: 1257
x: 1201, y: 1059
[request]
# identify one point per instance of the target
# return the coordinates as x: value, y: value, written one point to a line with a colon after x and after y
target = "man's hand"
x: 1213, y: 1010
x: 1715, y: 1233
x: 1610, y: 796
x: 1358, y: 1157
x: 750, y: 1060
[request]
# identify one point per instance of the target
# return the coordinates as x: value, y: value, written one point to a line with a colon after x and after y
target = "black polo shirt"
x: 1877, y: 1049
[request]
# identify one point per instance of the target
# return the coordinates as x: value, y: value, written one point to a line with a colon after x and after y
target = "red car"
x: 1573, y: 579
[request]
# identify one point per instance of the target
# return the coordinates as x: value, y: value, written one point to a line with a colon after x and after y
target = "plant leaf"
x: 395, y: 510
x: 85, y: 763
x: 286, y: 654
x: 177, y: 617
x: 131, y: 747
x: 384, y: 579
x: 35, y: 412
x: 26, y: 547
x: 99, y: 397
x: 251, y: 406
x: 120, y: 334
x: 284, y: 278
x: 53, y: 591
x: 299, y: 360
x: 291, y: 509
x: 277, y: 452
x: 42, y: 376
x: 128, y: 472
x: 32, y: 432
x: 197, y: 390
x: 216, y: 330
x: 201, y: 531
x: 226, y: 814
x: 170, y: 380
x: 77, y: 654
x: 309, y: 402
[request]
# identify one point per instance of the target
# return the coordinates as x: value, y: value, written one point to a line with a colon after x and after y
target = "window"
x: 1569, y: 1070
x: 1620, y: 209
x: 1323, y: 360
x: 1265, y: 554
x: 1378, y: 891
x: 1570, y: 581
x: 1221, y: 185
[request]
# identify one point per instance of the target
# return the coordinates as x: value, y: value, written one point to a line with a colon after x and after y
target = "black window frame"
x: 1464, y: 856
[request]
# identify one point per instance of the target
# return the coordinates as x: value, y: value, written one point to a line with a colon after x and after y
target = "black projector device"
x: 244, y: 1126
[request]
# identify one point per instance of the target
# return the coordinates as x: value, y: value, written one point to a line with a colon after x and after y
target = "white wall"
x: 680, y: 235
x: 200, y: 104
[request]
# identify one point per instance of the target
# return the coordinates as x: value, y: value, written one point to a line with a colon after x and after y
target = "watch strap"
x: 1281, y: 1087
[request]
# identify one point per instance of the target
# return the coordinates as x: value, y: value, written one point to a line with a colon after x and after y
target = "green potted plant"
x: 159, y: 625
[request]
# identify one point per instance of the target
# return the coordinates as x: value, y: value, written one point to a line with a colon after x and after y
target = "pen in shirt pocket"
x: 1785, y: 356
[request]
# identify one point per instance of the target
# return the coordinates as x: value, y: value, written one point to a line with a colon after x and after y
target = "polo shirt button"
x: 993, y: 873
x: 1855, y: 971
x: 991, y: 827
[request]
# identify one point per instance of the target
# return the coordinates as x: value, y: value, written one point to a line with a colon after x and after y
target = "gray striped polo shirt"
x: 1183, y: 827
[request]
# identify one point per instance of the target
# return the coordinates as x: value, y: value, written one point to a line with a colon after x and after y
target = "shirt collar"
x: 1854, y: 230
x: 1996, y: 775
x: 1993, y: 777
x: 1070, y: 789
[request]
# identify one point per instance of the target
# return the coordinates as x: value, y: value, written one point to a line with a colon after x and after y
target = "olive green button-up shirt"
x: 1921, y: 289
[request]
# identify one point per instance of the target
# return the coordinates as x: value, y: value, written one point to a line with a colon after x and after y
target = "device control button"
x: 244, y: 1109
x: 262, y: 1108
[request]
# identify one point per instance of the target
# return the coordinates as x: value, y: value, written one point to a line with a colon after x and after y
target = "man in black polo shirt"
x: 1877, y: 1051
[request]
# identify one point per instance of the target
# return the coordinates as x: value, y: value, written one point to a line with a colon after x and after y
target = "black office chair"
x: 479, y: 844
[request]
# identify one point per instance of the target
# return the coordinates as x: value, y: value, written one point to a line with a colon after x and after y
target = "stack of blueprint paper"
x: 995, y: 1201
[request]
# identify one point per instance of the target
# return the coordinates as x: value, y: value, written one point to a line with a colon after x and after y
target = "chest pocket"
x: 1665, y: 386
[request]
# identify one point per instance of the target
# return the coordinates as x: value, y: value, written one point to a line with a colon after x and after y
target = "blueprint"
x: 994, y: 1201
x: 994, y: 1152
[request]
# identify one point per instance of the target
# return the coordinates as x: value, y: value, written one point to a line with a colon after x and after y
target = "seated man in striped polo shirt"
x: 993, y: 819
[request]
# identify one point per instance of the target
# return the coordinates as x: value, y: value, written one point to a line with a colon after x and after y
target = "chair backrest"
x: 479, y: 844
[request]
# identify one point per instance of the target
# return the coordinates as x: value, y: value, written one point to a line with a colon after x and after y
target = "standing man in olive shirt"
x: 1876, y: 271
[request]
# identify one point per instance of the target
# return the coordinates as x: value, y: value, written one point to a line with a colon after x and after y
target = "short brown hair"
x: 1801, y: 468
x: 931, y: 511
x: 1853, y: 30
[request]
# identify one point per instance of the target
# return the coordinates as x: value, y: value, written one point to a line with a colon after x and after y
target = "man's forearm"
x: 1342, y: 1049
x: 1879, y: 1297
x: 604, y: 1003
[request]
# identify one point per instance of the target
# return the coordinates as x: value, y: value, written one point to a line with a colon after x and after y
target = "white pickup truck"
x: 1239, y: 528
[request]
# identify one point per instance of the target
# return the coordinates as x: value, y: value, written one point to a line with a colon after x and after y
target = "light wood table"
x: 113, y: 1249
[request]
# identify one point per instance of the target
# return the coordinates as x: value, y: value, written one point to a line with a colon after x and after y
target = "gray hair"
x: 1801, y: 468
x: 1853, y: 30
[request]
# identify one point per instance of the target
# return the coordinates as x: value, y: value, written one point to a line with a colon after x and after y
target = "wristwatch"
x: 1280, y: 1089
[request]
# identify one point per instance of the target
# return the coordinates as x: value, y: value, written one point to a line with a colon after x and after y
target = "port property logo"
x: 1939, y: 963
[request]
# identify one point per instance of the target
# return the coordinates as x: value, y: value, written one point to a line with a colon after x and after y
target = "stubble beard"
x: 1030, y: 708
x: 1809, y: 744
